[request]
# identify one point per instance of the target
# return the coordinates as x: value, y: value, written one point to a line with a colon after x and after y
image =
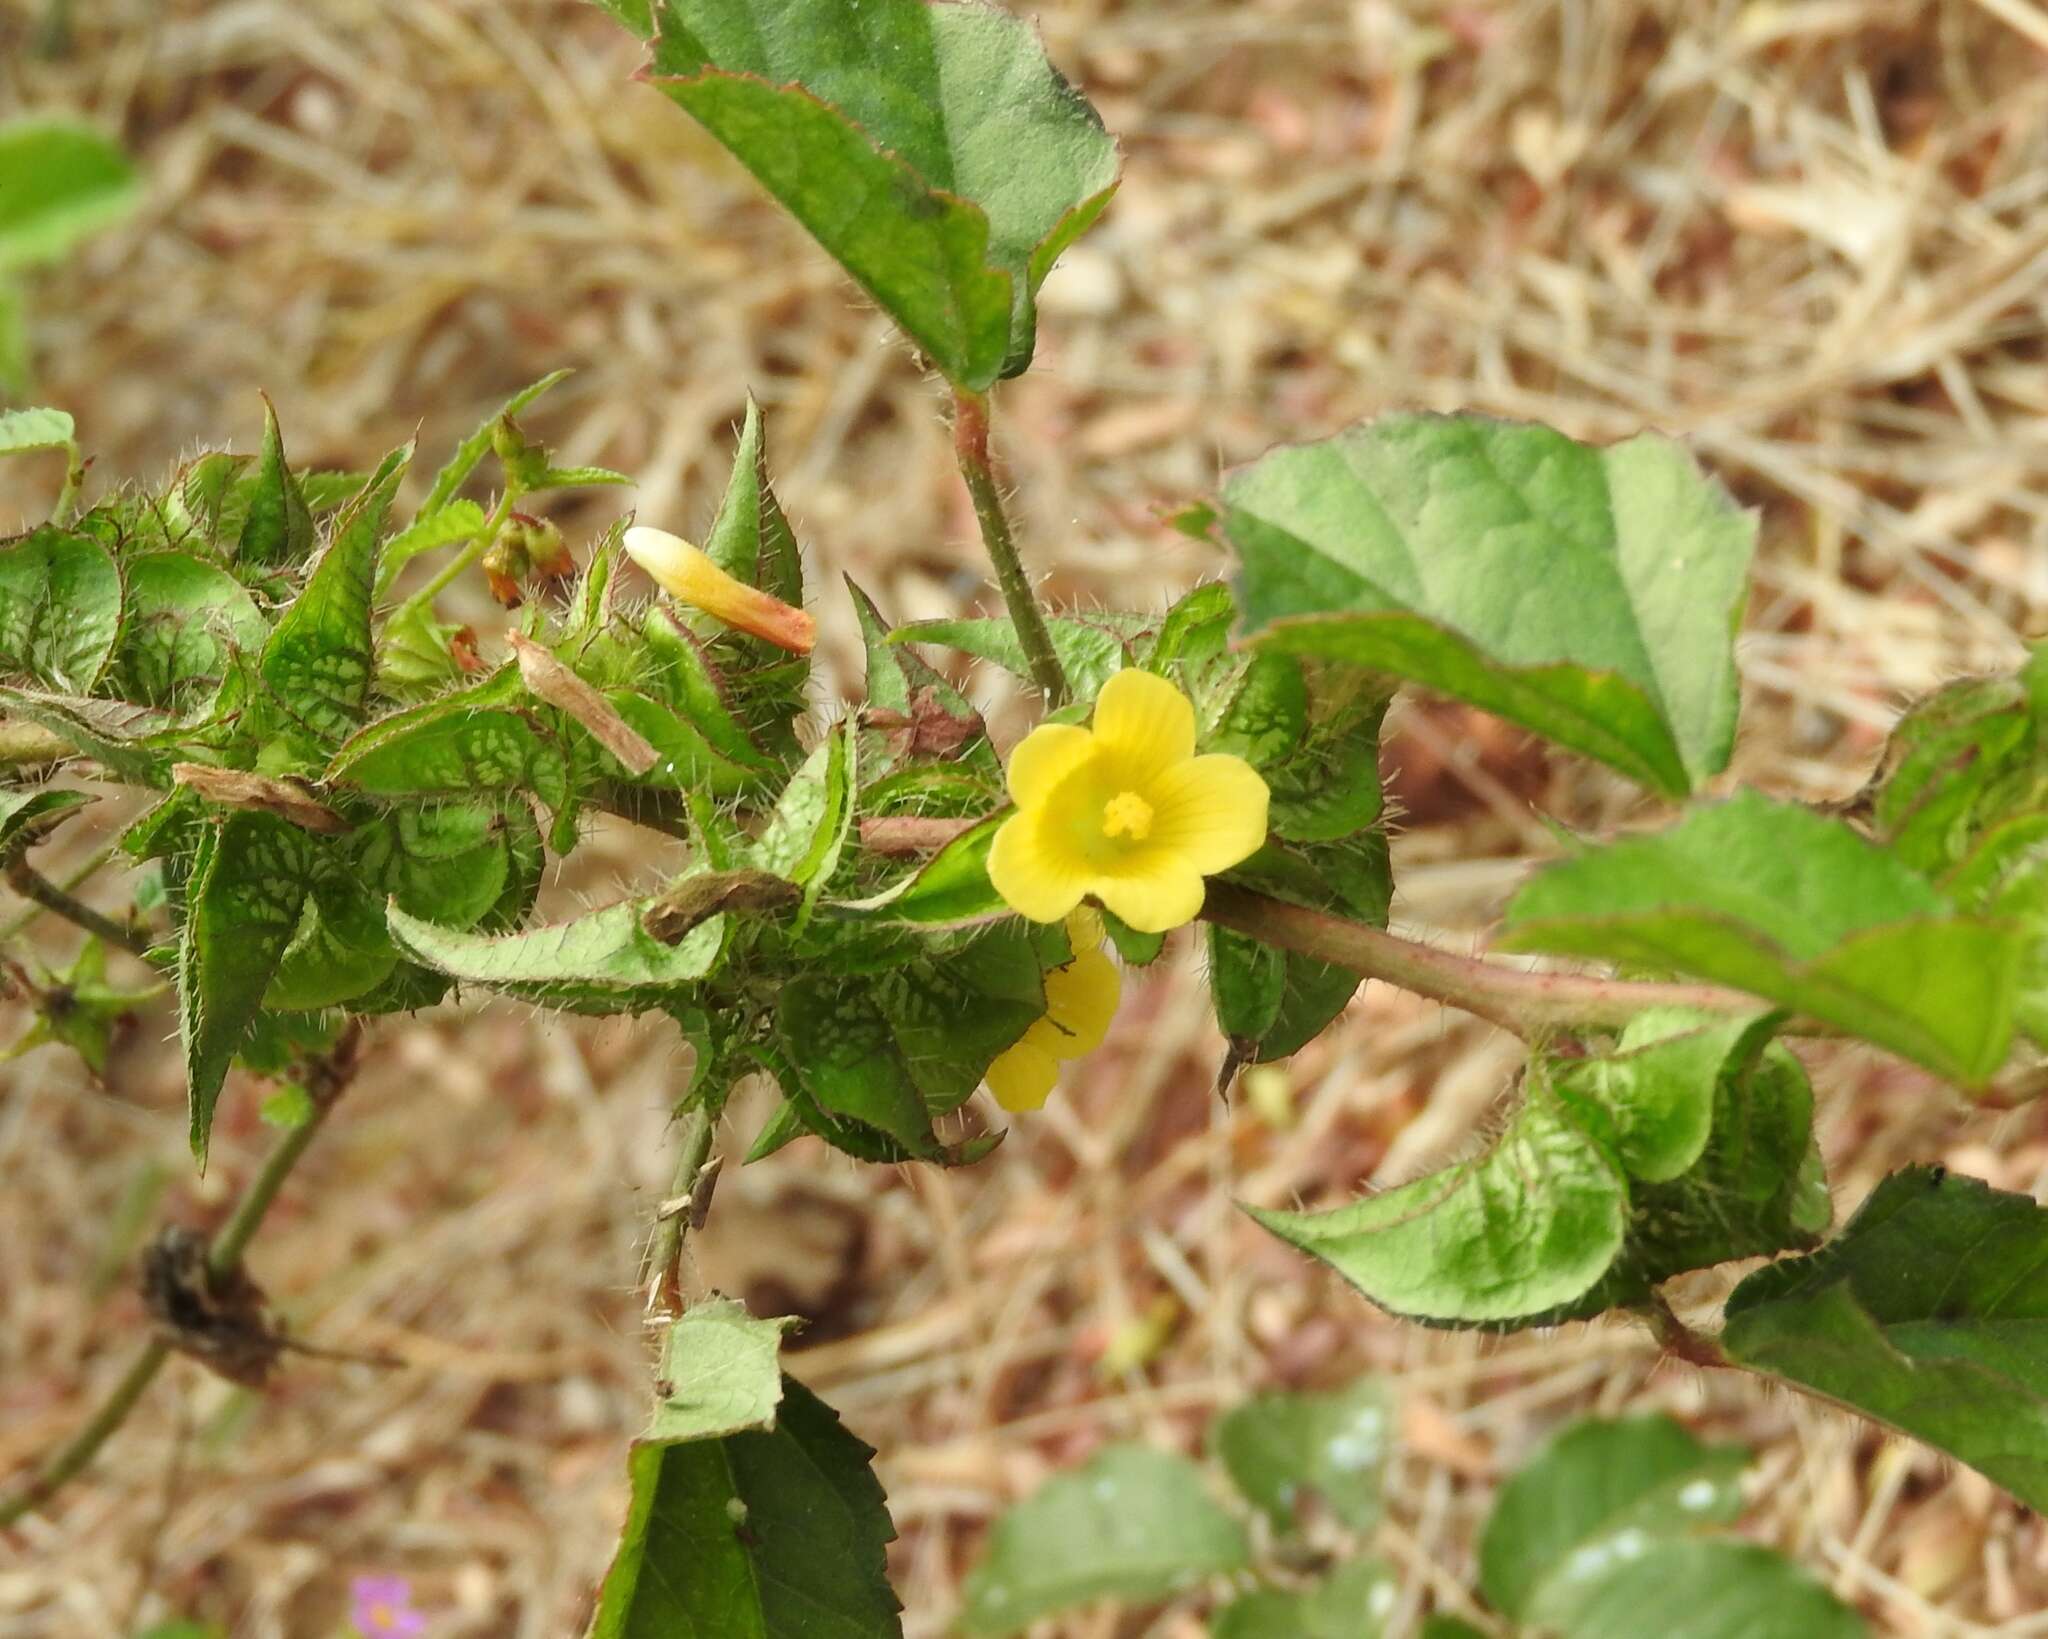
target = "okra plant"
x: 351, y: 802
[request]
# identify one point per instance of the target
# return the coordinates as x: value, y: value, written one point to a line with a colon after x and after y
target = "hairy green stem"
x: 1528, y: 1004
x: 664, y: 1253
x: 66, y: 505
x: 327, y: 1080
x: 32, y: 885
x: 970, y: 448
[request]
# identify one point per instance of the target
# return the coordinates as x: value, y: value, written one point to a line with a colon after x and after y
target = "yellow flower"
x: 1124, y: 811
x: 689, y: 576
x: 1080, y: 1000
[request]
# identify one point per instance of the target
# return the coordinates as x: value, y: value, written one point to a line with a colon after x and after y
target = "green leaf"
x: 247, y: 894
x: 318, y: 661
x: 1925, y: 1312
x: 601, y: 962
x: 458, y: 745
x: 1588, y: 594
x: 1350, y: 1603
x: 1596, y: 1493
x: 719, y: 1372
x: 64, y: 182
x: 186, y: 624
x: 457, y: 521
x: 951, y: 888
x: 476, y: 446
x: 1195, y: 629
x: 1701, y: 1590
x: 28, y: 816
x: 1246, y: 982
x: 807, y: 829
x: 123, y: 738
x: 1133, y: 1524
x: 278, y: 527
x: 1797, y: 908
x: 25, y: 430
x: 1331, y: 1444
x: 1090, y: 653
x: 60, y: 609
x: 759, y: 1535
x: 1525, y: 1227
x: 974, y: 163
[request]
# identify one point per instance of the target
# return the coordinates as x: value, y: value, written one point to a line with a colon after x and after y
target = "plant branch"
x: 29, y: 748
x: 326, y: 1081
x: 24, y: 919
x: 1526, y: 1003
x: 970, y: 448
x: 665, y: 1252
x: 32, y: 885
x: 476, y: 546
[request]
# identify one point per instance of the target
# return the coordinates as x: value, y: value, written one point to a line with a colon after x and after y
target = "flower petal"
x: 1036, y: 880
x: 1144, y: 722
x: 1080, y: 1001
x: 1023, y: 1074
x: 1210, y: 810
x: 1044, y: 757
x: 1155, y: 892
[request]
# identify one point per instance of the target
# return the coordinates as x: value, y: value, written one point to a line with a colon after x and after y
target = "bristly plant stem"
x: 970, y: 448
x: 664, y: 1254
x: 1529, y: 1004
x: 326, y: 1081
x: 25, y: 880
x: 22, y: 920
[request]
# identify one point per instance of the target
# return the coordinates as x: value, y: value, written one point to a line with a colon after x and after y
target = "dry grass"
x: 1812, y: 237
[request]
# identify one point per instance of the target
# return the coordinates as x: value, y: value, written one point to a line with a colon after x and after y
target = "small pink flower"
x: 382, y: 1608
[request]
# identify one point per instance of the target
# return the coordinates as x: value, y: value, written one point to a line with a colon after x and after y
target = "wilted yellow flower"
x: 689, y: 576
x: 1124, y: 811
x: 1080, y: 1000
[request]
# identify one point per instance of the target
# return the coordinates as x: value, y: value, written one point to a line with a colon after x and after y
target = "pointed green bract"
x: 807, y: 829
x: 1925, y: 1312
x: 1331, y: 1445
x: 28, y: 816
x: 1134, y: 1523
x: 317, y: 664
x: 974, y: 163
x: 60, y: 609
x: 763, y: 1534
x: 243, y: 909
x: 1588, y: 594
x: 1796, y: 908
x: 751, y: 539
x: 64, y: 181
x: 278, y: 528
